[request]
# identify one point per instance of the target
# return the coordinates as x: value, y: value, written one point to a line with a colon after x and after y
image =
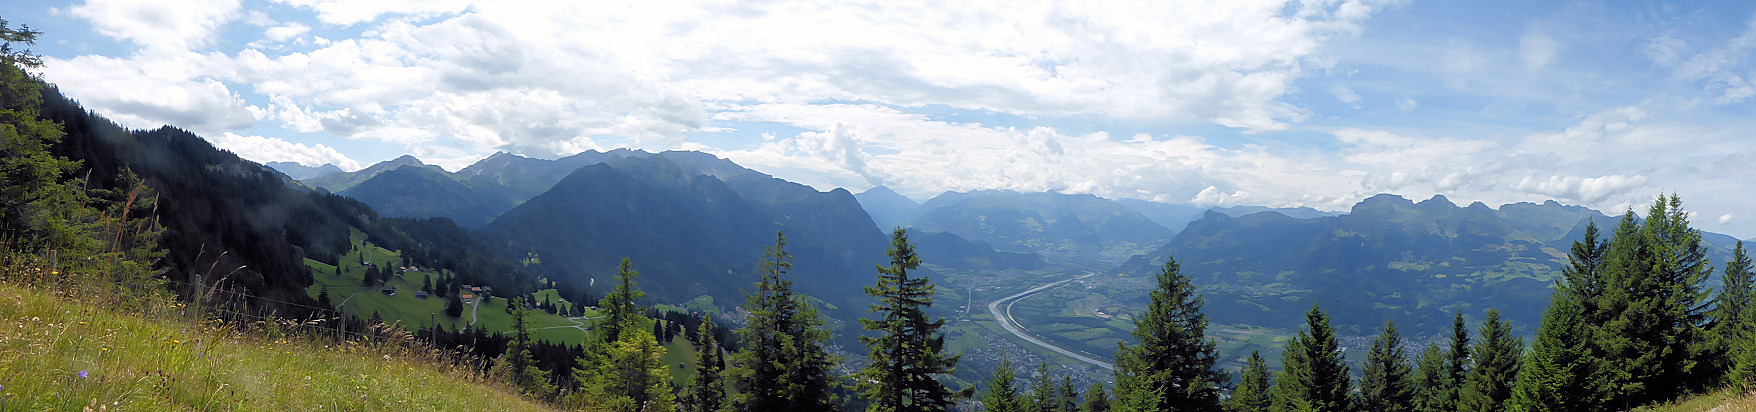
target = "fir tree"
x: 1497, y: 358
x: 1002, y: 393
x: 1743, y: 373
x: 1173, y: 366
x: 632, y: 376
x: 1252, y: 392
x: 707, y: 393
x: 1385, y: 385
x: 1430, y: 381
x: 323, y: 297
x: 907, y: 356
x: 783, y: 364
x: 1096, y: 399
x: 1559, y: 371
x: 1315, y: 375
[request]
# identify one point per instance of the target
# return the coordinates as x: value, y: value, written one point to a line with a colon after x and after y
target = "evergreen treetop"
x: 907, y: 353
x: 1173, y: 366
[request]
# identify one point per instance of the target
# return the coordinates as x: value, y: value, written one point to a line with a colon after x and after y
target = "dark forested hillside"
x: 422, y: 192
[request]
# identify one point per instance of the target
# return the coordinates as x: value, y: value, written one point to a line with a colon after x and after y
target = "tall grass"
x: 70, y: 346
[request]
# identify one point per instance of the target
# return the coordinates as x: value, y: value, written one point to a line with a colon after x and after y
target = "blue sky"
x: 1281, y: 103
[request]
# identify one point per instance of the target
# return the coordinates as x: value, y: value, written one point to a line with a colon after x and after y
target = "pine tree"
x: 707, y: 393
x: 1584, y: 274
x: 1315, y: 375
x: 1743, y: 373
x: 1173, y: 366
x: 1042, y: 391
x: 521, y: 365
x: 1727, y: 317
x: 907, y: 356
x: 323, y: 297
x: 1252, y: 392
x: 1497, y: 358
x: 783, y: 363
x: 427, y: 284
x: 1096, y: 399
x: 619, y: 311
x: 1430, y: 381
x: 1002, y: 393
x: 1385, y: 385
x: 1559, y: 371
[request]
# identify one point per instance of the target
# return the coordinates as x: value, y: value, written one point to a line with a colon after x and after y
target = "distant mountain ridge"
x: 302, y: 172
x: 1388, y: 257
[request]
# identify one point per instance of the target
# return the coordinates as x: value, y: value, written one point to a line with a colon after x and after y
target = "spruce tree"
x: 1315, y: 375
x: 1252, y: 392
x: 619, y: 311
x: 632, y: 376
x: 1173, y: 366
x: 1743, y: 373
x: 1002, y: 393
x: 1584, y: 279
x: 453, y: 306
x: 1097, y: 399
x: 783, y: 363
x: 1385, y: 385
x: 1430, y: 381
x: 521, y: 365
x: 323, y: 297
x: 1559, y: 371
x: 1042, y: 391
x: 1496, y: 361
x: 707, y: 393
x: 907, y: 352
x: 1651, y: 337
x: 1069, y: 395
x: 1727, y: 317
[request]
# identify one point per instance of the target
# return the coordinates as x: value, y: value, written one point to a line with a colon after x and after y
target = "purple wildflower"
x: 82, y: 373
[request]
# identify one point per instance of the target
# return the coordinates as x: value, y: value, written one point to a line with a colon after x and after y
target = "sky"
x: 1317, y: 103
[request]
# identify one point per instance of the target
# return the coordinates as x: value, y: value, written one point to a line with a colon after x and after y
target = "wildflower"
x: 82, y: 373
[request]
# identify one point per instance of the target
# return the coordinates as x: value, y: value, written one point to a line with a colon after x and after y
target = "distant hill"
x: 424, y: 192
x: 691, y: 233
x: 517, y: 178
x: 888, y: 208
x: 302, y: 172
x: 1082, y: 228
x: 1387, y: 258
x: 338, y: 182
x: 950, y: 250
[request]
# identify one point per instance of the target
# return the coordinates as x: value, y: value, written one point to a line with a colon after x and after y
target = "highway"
x: 1011, y: 325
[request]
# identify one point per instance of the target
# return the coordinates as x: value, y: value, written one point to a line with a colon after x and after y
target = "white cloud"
x: 350, y: 12
x: 159, y: 24
x: 148, y: 93
x: 1725, y: 218
x: 1345, y: 95
x: 1589, y: 190
x: 285, y: 32
x: 270, y: 149
x: 1538, y: 48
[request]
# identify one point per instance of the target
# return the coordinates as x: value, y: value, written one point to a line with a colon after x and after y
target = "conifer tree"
x: 1042, y: 391
x: 618, y: 306
x: 1069, y: 395
x: 1651, y: 337
x: 631, y: 377
x: 1252, y: 393
x: 1559, y: 371
x: 1173, y: 366
x: 521, y: 365
x: 1496, y: 361
x: 1430, y: 381
x: 1002, y: 393
x: 1385, y: 385
x: 783, y: 364
x: 323, y: 297
x: 1743, y: 373
x: 1315, y: 375
x: 1727, y: 317
x: 1097, y: 399
x: 907, y: 353
x: 453, y: 306
x: 707, y: 393
x: 1584, y: 274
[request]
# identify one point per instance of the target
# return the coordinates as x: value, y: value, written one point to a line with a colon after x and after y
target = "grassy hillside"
x: 61, y: 354
x: 1726, y: 400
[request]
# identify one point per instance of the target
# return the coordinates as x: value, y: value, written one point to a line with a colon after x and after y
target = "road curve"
x: 1011, y: 325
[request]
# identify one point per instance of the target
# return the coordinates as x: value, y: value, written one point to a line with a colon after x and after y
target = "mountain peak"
x: 1438, y: 201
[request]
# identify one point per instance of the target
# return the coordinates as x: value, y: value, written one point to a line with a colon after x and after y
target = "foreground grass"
x: 57, y: 353
x: 1724, y: 400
